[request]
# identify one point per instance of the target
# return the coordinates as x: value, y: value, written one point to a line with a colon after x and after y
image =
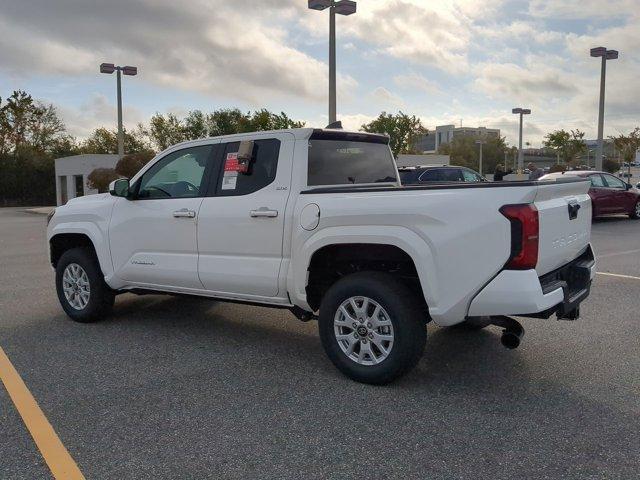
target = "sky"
x: 445, y: 61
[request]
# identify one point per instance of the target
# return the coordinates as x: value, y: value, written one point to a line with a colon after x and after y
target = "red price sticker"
x: 231, y: 165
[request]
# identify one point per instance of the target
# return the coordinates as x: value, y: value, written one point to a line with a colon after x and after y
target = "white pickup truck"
x: 316, y: 221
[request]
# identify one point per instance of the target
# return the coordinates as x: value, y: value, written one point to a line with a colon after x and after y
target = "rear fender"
x: 401, y: 237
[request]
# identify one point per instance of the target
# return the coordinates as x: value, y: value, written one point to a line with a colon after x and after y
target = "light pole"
x: 480, y: 142
x: 109, y: 68
x: 521, y: 112
x: 606, y: 55
x: 341, y: 7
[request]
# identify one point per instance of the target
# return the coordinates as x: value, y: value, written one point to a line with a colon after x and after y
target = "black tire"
x: 635, y: 214
x: 101, y: 297
x: 404, y: 313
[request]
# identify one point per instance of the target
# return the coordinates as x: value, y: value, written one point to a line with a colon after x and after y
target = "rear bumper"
x: 523, y: 293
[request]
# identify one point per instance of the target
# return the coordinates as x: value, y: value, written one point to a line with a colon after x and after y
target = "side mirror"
x: 245, y: 156
x: 119, y: 187
x: 629, y: 186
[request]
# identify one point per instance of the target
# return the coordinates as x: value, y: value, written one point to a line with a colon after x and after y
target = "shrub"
x: 131, y: 164
x: 610, y: 166
x: 100, y: 178
x: 558, y: 168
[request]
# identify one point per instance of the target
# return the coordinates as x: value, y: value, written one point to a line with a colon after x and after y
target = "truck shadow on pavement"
x: 451, y: 355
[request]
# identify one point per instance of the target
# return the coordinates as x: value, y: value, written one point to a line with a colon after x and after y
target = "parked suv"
x: 438, y: 173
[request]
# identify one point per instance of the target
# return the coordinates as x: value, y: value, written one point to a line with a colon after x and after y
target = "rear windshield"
x: 341, y: 162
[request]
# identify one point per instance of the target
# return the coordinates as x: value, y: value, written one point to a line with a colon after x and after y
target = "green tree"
x: 628, y: 145
x: 103, y: 140
x: 403, y: 130
x: 464, y: 151
x: 25, y: 122
x: 166, y: 130
x: 169, y: 129
x: 567, y: 145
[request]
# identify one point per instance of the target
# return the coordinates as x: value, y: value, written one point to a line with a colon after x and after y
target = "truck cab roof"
x: 298, y: 134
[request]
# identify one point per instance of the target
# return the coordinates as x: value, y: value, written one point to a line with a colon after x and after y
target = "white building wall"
x: 70, y: 167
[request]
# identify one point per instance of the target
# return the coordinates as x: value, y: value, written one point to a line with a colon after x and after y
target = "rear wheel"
x: 82, y: 291
x: 371, y: 327
x: 635, y: 214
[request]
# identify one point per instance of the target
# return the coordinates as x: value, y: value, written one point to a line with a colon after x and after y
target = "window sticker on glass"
x: 350, y: 151
x: 231, y: 169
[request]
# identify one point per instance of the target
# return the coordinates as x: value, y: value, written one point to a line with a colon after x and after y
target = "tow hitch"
x: 512, y: 333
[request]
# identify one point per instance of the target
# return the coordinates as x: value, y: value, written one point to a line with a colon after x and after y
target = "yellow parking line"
x: 618, y: 275
x: 60, y: 463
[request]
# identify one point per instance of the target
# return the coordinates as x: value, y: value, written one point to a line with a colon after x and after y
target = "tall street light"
x: 606, y: 55
x: 341, y: 7
x: 127, y: 70
x: 521, y: 112
x: 480, y: 142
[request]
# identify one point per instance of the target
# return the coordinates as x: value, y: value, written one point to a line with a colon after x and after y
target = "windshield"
x: 341, y: 162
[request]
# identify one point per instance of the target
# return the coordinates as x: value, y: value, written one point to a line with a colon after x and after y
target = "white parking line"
x: 605, y: 255
x: 618, y: 275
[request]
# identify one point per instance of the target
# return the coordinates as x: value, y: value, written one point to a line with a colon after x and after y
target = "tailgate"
x: 564, y: 212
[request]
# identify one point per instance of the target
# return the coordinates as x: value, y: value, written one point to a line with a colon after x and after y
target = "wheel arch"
x: 405, y: 252
x: 62, y: 239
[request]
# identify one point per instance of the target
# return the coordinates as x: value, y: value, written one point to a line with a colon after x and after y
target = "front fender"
x: 97, y: 236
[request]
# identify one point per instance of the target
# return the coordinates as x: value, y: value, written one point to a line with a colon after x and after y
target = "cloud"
x: 536, y: 84
x: 415, y: 81
x: 212, y: 47
x: 355, y: 121
x: 94, y: 113
x: 520, y: 31
x: 422, y: 33
x: 581, y: 9
x: 387, y: 99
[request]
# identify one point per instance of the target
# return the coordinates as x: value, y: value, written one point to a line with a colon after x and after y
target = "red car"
x: 609, y: 195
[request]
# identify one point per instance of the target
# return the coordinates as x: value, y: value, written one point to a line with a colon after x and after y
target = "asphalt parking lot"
x: 175, y: 388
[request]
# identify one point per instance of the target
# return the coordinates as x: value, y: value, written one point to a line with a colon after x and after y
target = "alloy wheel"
x: 363, y: 330
x: 75, y: 284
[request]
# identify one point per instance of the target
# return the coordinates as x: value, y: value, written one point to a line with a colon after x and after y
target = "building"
x: 431, y: 142
x: 72, y: 173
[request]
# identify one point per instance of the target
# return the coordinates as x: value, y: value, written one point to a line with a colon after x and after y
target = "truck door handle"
x: 184, y: 212
x: 264, y: 212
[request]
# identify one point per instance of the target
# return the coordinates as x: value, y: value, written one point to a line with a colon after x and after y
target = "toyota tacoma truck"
x: 317, y: 221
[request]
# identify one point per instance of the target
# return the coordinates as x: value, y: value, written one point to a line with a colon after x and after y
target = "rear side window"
x: 262, y: 170
x: 470, y: 176
x: 596, y: 181
x: 341, y: 162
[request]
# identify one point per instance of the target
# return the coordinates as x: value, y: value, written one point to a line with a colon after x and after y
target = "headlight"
x: 50, y: 215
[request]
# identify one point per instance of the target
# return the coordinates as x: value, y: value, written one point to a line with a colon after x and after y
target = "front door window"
x: 178, y: 175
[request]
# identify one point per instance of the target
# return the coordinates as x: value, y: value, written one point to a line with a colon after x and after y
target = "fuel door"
x: 310, y: 216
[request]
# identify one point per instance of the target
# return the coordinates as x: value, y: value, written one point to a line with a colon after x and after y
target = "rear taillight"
x: 524, y: 235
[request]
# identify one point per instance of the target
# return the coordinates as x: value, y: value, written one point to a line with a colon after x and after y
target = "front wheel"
x: 372, y: 327
x: 635, y: 214
x: 82, y: 291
